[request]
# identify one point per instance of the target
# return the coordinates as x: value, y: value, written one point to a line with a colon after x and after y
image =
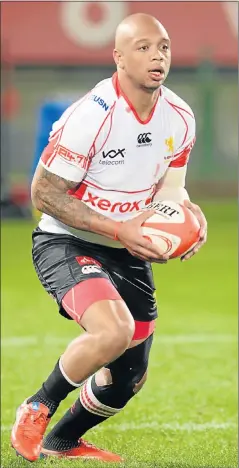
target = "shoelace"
x: 89, y: 445
x: 35, y: 427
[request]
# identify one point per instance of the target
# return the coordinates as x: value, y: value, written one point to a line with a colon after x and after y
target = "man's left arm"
x: 172, y: 187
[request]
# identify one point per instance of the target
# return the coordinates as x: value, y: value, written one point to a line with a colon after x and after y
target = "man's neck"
x: 142, y: 101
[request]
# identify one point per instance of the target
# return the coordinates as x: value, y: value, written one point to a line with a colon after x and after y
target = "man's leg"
x: 109, y: 329
x: 102, y: 396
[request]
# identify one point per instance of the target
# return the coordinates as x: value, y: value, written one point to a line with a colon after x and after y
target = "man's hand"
x: 196, y: 210
x: 130, y: 235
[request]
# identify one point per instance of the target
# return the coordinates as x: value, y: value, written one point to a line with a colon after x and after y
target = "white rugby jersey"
x: 116, y: 158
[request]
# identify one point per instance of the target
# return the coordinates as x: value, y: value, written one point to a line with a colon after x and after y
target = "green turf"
x: 185, y: 417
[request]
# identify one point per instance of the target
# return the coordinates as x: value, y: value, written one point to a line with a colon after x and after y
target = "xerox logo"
x: 112, y: 154
x: 144, y: 139
x: 115, y: 207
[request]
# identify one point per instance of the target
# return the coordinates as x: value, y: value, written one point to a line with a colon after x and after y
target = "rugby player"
x: 126, y: 143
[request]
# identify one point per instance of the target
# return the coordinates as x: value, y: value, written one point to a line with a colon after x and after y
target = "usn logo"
x: 100, y: 101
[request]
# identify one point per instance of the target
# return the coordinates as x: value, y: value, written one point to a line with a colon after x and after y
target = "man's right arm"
x: 49, y: 195
x: 63, y: 166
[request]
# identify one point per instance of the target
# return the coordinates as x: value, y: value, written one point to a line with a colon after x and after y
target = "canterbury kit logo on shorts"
x: 89, y: 265
x: 87, y: 269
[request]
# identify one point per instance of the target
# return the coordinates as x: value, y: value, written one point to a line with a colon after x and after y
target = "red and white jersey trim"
x: 115, y: 158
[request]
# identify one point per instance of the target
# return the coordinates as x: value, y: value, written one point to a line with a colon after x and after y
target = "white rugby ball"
x: 173, y: 228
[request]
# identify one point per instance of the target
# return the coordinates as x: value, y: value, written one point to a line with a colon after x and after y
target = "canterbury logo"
x: 144, y: 138
x: 88, y: 269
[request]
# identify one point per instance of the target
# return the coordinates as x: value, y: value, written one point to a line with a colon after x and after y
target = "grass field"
x: 185, y: 417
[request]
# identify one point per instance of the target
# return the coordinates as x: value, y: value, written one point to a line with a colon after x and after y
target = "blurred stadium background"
x: 52, y: 53
x: 66, y: 47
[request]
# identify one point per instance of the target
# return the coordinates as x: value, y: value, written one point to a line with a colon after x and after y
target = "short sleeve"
x: 185, y: 138
x: 71, y: 141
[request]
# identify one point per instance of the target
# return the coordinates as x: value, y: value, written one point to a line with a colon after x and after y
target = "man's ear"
x: 118, y: 58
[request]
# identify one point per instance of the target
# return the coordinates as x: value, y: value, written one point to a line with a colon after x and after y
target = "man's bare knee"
x: 113, y: 326
x: 114, y: 341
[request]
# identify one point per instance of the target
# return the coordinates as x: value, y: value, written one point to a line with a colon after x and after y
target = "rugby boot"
x: 85, y: 451
x: 29, y: 428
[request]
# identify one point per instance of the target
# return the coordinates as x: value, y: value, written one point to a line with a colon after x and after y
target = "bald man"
x: 122, y: 146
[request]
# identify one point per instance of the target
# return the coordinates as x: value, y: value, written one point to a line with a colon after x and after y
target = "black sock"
x: 78, y: 419
x: 75, y: 422
x: 53, y: 390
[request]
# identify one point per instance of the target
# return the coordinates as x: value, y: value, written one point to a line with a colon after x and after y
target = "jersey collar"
x: 119, y: 93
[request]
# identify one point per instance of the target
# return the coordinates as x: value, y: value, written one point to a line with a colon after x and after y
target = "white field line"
x: 193, y: 338
x: 188, y: 427
x: 156, y: 426
x: 25, y: 341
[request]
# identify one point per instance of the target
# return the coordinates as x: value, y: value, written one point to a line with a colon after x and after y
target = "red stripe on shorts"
x: 77, y: 300
x: 143, y: 329
x: 83, y: 295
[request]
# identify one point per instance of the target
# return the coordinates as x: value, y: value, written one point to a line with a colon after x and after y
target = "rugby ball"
x: 173, y: 228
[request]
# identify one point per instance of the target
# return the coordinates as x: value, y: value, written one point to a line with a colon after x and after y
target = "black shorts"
x: 62, y: 261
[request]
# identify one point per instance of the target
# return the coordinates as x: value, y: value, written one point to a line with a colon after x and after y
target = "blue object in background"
x: 49, y: 112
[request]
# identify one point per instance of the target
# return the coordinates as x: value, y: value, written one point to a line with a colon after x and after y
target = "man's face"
x: 147, y: 56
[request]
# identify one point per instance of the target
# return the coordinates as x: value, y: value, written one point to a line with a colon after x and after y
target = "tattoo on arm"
x: 50, y: 196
